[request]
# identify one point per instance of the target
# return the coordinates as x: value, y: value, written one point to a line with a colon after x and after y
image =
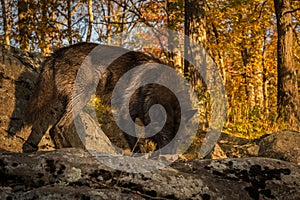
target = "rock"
x: 18, y: 73
x: 252, y: 149
x: 231, y: 139
x: 64, y: 192
x: 236, y: 147
x: 94, y: 138
x: 283, y: 145
x: 217, y: 153
x: 75, y: 173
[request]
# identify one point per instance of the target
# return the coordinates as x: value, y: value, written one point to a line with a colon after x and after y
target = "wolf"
x: 66, y: 83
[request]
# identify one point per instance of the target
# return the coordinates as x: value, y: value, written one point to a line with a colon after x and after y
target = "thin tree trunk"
x: 265, y: 80
x: 123, y: 20
x: 91, y: 20
x: 5, y: 23
x: 23, y: 24
x: 69, y: 25
x: 45, y: 44
x: 258, y: 85
x: 108, y: 26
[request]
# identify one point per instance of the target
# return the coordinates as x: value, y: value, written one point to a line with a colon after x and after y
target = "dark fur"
x: 51, y: 101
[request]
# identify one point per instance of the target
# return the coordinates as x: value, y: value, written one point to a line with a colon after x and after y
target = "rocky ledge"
x: 76, y: 174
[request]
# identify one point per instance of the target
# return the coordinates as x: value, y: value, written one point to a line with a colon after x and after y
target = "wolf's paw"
x: 27, y: 147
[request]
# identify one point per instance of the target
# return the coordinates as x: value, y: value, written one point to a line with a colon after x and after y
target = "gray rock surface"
x: 74, y: 173
x: 283, y: 145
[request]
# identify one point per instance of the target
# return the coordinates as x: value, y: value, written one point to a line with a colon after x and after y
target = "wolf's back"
x: 56, y: 79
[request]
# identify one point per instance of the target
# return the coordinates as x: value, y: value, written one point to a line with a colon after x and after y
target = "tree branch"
x: 290, y: 11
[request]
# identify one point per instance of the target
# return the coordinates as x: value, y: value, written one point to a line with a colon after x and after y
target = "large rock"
x: 283, y: 145
x: 18, y: 73
x: 75, y: 174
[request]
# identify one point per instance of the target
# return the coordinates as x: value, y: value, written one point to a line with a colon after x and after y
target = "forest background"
x: 255, y: 45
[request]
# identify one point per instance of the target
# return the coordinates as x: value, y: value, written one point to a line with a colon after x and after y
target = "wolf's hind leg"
x: 39, y: 128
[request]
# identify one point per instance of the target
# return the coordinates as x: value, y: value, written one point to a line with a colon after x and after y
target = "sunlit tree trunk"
x: 91, y: 20
x: 287, y: 96
x: 253, y: 77
x: 265, y: 80
x: 122, y: 21
x: 258, y: 84
x: 44, y: 31
x: 108, y: 26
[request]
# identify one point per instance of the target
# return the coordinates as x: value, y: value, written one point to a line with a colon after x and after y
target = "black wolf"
x: 57, y: 99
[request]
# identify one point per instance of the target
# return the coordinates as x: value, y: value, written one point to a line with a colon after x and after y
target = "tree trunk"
x: 91, y: 20
x: 265, y: 80
x: 108, y: 26
x: 122, y: 20
x: 173, y: 44
x: 45, y: 41
x: 23, y: 25
x: 5, y: 23
x: 69, y: 25
x: 287, y: 94
x: 195, y: 25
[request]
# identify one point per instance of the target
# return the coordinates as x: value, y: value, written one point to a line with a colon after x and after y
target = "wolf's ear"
x: 189, y: 115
